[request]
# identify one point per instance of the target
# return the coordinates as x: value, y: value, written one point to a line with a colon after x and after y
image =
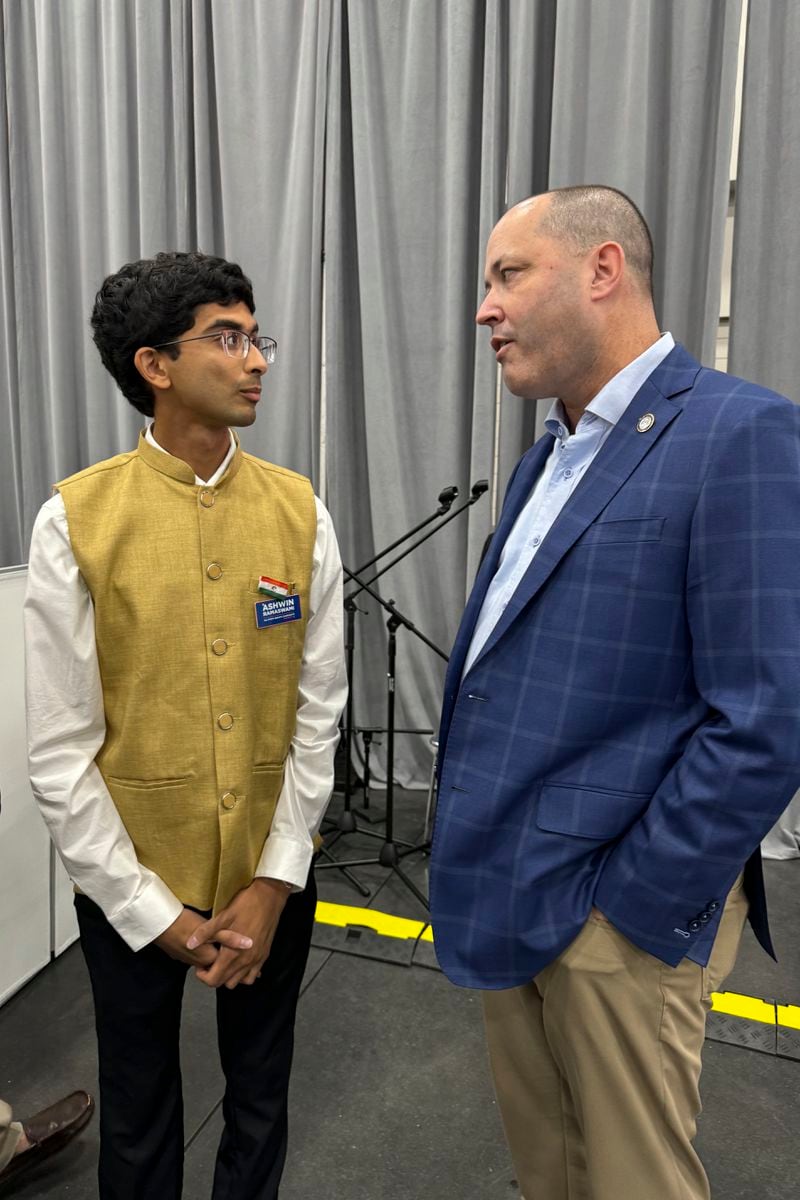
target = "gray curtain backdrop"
x: 765, y: 287
x: 393, y: 133
x: 765, y: 292
x: 644, y: 100
x: 136, y: 126
x: 410, y: 137
x: 526, y: 71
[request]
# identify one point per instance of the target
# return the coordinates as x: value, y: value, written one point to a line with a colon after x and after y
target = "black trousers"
x: 137, y: 999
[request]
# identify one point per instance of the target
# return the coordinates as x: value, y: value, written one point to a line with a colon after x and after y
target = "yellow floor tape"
x: 748, y: 1007
x: 369, y: 918
x: 735, y: 1005
x: 788, y: 1015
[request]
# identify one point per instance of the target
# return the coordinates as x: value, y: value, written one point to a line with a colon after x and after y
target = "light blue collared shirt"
x: 567, y: 463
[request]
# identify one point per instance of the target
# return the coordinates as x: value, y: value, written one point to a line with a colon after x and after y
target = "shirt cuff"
x: 145, y: 918
x: 287, y: 859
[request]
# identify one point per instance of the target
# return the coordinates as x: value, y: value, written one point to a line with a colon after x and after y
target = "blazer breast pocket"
x: 627, y: 530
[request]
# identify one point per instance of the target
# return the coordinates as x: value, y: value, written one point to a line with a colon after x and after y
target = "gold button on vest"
x: 165, y: 767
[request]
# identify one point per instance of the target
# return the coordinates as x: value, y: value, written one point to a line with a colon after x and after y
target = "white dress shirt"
x: 567, y: 463
x: 66, y: 729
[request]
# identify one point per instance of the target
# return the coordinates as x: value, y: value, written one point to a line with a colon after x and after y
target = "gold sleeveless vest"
x: 199, y: 702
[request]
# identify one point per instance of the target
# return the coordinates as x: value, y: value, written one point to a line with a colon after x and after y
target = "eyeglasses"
x: 234, y: 342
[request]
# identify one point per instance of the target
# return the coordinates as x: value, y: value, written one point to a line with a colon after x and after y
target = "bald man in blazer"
x: 621, y: 722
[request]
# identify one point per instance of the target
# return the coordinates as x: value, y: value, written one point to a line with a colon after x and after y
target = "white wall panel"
x: 24, y: 843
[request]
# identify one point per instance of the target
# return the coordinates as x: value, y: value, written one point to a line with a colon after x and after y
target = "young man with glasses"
x: 185, y: 681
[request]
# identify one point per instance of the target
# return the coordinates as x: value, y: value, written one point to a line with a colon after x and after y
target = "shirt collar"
x: 614, y: 397
x: 221, y: 469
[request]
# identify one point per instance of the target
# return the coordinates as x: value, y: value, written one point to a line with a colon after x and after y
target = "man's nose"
x: 489, y: 311
x: 256, y: 361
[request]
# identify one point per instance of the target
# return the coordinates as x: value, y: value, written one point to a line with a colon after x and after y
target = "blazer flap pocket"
x: 630, y: 529
x: 586, y: 812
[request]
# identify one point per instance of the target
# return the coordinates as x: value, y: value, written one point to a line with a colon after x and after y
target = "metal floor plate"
x: 747, y: 1021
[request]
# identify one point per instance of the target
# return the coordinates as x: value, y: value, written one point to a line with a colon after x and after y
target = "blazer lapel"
x: 623, y: 451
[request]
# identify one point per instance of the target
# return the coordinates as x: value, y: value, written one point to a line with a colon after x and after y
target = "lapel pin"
x: 646, y: 422
x: 275, y: 589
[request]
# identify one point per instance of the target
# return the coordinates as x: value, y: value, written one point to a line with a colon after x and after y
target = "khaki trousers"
x: 9, y: 1134
x: 596, y: 1066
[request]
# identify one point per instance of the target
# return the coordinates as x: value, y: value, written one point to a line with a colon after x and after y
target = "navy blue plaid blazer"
x: 631, y: 729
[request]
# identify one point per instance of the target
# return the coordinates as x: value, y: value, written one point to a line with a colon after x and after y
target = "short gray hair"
x: 589, y: 214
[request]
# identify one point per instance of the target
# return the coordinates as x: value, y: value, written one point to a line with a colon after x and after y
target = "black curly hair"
x: 152, y: 301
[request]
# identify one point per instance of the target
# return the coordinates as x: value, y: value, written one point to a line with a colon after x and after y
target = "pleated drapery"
x: 385, y: 137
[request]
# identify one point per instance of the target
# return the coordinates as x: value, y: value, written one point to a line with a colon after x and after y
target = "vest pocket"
x: 160, y: 815
x: 265, y: 774
x: 147, y: 785
x: 588, y: 812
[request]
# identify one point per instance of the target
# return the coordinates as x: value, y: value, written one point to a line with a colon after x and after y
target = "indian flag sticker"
x: 273, y: 587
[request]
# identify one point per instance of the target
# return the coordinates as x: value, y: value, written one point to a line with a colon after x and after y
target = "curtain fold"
x: 765, y: 293
x: 643, y: 100
x: 12, y: 491
x: 413, y: 183
x: 529, y: 79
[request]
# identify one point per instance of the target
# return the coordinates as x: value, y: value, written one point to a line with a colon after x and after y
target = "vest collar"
x: 176, y: 468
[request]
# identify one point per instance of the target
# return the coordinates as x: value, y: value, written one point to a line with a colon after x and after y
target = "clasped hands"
x: 232, y: 947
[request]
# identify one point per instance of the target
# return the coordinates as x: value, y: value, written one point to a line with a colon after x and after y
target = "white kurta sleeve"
x: 322, y: 691
x: 66, y: 729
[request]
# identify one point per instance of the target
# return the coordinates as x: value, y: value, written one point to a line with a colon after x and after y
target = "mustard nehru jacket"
x: 199, y: 702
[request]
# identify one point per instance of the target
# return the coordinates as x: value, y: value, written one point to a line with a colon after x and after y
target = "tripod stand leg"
x: 412, y: 887
x: 349, y: 876
x: 333, y: 839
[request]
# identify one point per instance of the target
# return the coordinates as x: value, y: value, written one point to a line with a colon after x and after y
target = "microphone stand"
x: 346, y: 822
x: 477, y: 490
x: 446, y: 498
x: 389, y: 854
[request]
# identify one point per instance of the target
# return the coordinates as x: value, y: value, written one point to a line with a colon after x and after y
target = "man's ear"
x: 609, y: 269
x: 152, y: 367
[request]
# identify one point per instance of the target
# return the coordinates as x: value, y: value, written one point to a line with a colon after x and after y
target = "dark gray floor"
x: 390, y: 1093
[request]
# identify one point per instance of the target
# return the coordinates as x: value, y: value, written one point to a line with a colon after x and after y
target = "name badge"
x: 277, y: 612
